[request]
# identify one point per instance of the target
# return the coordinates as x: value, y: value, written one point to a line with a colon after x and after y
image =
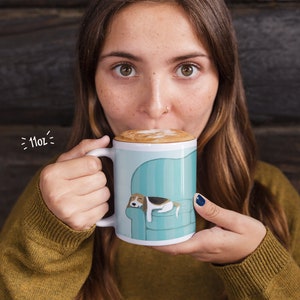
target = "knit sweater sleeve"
x: 41, y: 258
x: 270, y: 272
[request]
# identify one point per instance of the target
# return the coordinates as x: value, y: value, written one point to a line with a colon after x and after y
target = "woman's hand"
x: 74, y: 188
x: 232, y: 239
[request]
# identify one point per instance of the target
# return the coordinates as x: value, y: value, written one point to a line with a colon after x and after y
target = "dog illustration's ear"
x: 130, y: 200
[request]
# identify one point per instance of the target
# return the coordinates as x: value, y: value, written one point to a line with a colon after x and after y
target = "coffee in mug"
x: 154, y: 185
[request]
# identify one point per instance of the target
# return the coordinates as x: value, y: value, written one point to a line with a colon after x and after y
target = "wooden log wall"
x: 37, y: 40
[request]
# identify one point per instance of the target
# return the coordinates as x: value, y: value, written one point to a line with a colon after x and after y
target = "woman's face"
x: 153, y: 71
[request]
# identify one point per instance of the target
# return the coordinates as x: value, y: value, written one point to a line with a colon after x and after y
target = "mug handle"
x: 107, y: 152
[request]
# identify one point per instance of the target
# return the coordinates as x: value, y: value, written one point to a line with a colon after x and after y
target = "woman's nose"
x: 155, y: 99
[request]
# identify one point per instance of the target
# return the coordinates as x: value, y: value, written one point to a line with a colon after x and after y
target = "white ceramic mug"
x: 154, y: 185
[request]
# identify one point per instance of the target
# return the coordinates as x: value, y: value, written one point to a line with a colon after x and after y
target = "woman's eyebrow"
x: 188, y: 56
x: 121, y: 54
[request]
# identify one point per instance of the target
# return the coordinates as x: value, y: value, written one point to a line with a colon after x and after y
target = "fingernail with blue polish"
x: 200, y: 200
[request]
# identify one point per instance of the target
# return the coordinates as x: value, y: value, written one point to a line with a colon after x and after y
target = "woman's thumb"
x: 215, y: 214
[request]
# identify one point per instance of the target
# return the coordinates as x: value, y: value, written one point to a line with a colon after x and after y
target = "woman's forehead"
x: 152, y: 24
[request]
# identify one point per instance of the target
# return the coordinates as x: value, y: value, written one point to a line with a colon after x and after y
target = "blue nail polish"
x: 200, y: 200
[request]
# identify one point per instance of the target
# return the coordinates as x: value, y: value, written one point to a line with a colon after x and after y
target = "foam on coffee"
x: 154, y: 136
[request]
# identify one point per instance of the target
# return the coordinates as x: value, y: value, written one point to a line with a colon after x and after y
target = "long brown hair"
x: 226, y: 147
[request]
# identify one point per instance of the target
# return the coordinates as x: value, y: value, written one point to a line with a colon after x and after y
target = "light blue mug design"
x: 154, y: 185
x: 171, y: 214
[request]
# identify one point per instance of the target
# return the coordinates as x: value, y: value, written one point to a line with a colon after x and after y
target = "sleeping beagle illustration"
x: 149, y: 204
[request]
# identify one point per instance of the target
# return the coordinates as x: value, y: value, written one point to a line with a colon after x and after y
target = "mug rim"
x: 146, y: 146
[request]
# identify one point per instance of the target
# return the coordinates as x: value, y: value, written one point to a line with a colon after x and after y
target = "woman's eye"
x: 187, y: 70
x: 125, y: 70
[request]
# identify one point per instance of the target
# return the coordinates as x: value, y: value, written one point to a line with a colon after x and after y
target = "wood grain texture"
x: 42, y: 3
x: 36, y: 65
x: 269, y: 47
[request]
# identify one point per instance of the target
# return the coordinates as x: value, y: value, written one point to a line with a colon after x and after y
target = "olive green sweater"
x: 42, y: 258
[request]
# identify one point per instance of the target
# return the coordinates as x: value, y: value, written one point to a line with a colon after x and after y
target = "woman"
x: 156, y: 64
